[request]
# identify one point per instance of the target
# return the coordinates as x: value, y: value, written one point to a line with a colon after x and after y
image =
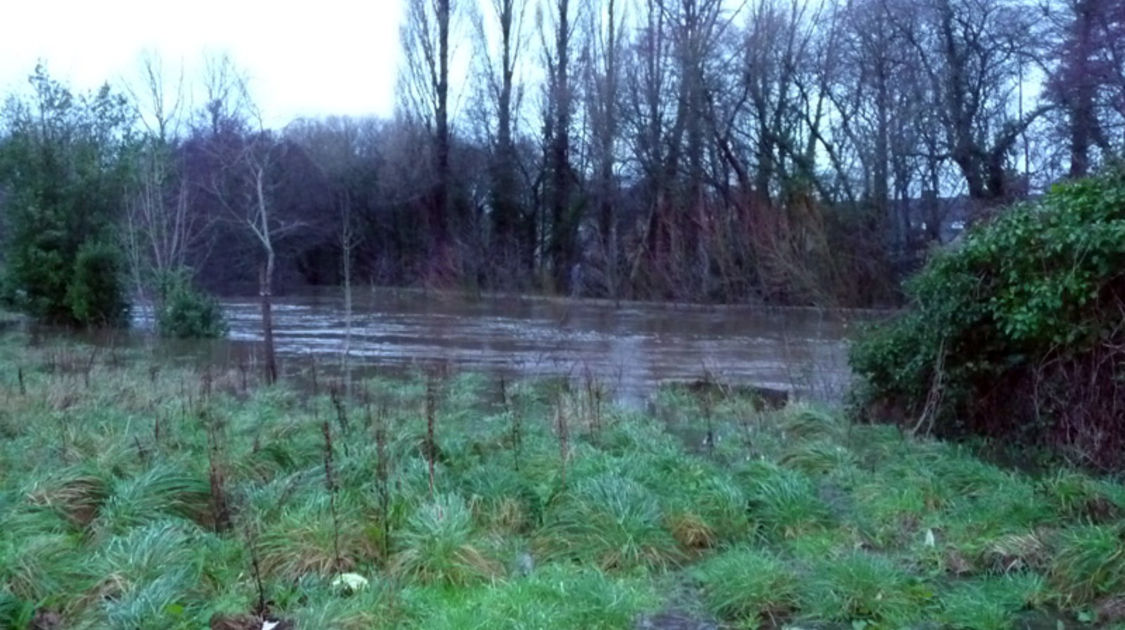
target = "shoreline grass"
x: 464, y: 509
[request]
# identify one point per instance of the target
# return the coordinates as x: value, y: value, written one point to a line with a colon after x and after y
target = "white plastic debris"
x: 349, y: 582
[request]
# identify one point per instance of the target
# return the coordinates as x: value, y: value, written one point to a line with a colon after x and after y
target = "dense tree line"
x: 785, y: 150
x: 792, y: 151
x: 780, y: 149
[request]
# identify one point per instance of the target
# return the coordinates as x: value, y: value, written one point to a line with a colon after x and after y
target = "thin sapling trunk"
x: 330, y: 484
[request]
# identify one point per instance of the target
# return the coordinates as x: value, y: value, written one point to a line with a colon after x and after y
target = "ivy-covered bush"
x: 185, y: 312
x: 1018, y: 331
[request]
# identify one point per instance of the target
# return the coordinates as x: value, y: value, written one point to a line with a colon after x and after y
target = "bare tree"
x: 647, y: 119
x: 160, y: 232
x: 347, y: 155
x: 1086, y: 77
x: 349, y: 239
x: 876, y: 94
x: 970, y: 52
x: 603, y: 78
x: 425, y: 82
x: 500, y: 33
x: 245, y: 155
x: 696, y: 27
x: 558, y: 28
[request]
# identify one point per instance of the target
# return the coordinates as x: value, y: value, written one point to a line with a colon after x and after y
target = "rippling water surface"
x: 630, y: 346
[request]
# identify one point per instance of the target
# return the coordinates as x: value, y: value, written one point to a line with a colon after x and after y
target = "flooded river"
x: 632, y: 347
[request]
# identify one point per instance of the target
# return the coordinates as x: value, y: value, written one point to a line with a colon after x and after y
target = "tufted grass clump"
x: 163, y: 490
x: 702, y: 507
x: 861, y: 586
x: 312, y: 602
x: 556, y: 596
x: 148, y: 577
x: 1078, y: 496
x: 502, y: 500
x: 39, y: 564
x: 438, y: 545
x: 303, y: 540
x: 74, y: 494
x: 803, y: 421
x: 1089, y: 562
x: 610, y: 521
x: 783, y: 503
x: 817, y: 458
x: 748, y: 585
x: 991, y: 602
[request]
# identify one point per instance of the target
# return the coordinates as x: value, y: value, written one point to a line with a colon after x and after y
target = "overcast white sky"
x: 303, y: 57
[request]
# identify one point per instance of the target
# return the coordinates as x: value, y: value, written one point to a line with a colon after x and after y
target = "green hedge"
x: 1015, y: 331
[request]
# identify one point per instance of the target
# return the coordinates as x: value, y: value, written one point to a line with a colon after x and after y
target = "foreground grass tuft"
x: 612, y: 522
x: 747, y: 585
x: 438, y: 545
x: 990, y: 603
x: 1089, y: 562
x: 865, y: 587
x: 784, y: 503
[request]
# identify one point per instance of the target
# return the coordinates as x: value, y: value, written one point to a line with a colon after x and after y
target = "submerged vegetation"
x: 185, y: 312
x: 138, y: 493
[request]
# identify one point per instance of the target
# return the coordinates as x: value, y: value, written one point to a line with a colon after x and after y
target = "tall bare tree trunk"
x: 603, y: 105
x: 265, y: 289
x: 426, y: 46
x: 504, y: 168
x: 1083, y: 89
x: 265, y: 292
x: 442, y: 221
x: 561, y: 244
x: 347, y: 242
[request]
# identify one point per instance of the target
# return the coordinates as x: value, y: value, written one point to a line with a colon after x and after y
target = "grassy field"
x: 138, y: 494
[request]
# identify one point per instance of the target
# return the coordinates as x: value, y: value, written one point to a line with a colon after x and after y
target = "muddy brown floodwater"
x: 631, y: 347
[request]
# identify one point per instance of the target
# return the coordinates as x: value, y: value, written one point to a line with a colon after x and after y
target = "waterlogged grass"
x: 138, y: 494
